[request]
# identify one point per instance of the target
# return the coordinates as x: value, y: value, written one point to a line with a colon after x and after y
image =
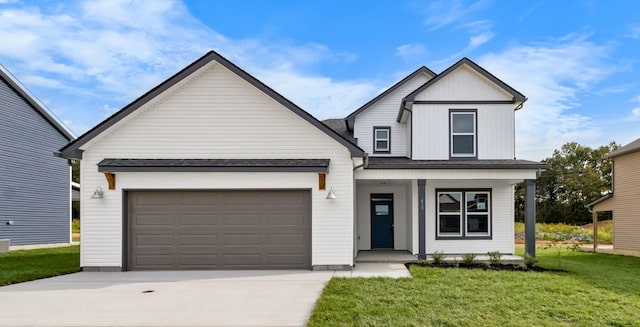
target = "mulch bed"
x: 501, y: 267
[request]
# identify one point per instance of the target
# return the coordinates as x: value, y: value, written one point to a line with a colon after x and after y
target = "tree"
x: 577, y: 176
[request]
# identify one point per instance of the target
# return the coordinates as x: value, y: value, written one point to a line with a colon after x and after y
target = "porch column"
x: 422, y: 255
x: 530, y: 217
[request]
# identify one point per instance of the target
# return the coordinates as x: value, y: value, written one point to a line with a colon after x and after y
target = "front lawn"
x: 597, y: 290
x: 24, y: 265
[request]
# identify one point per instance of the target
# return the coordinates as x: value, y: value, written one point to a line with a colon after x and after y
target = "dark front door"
x: 382, y: 221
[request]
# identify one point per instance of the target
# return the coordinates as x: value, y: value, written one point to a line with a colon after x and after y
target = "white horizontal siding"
x: 216, y: 114
x: 464, y: 84
x: 384, y: 113
x: 495, y: 133
x: 501, y: 219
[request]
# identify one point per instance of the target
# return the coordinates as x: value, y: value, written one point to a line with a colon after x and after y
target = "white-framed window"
x: 463, y: 214
x: 463, y: 133
x: 382, y: 139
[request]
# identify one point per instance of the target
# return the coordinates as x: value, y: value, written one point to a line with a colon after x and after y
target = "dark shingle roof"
x: 629, y: 148
x: 340, y: 126
x: 214, y: 165
x: 407, y: 163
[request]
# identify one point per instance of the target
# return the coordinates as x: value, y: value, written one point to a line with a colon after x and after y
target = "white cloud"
x: 551, y: 75
x: 444, y: 13
x: 103, y: 54
x: 636, y: 99
x: 635, y: 114
x: 408, y: 51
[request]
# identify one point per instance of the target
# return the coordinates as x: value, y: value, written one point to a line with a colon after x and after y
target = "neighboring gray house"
x: 35, y: 192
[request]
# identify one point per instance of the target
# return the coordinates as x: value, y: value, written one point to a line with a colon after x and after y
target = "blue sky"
x: 578, y: 62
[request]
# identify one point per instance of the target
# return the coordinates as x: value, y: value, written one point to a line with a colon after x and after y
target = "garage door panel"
x: 264, y: 229
x: 194, y: 239
x: 205, y: 219
x: 247, y: 219
x: 243, y: 239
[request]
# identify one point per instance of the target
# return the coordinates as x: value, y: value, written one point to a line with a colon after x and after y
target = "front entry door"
x: 382, y: 221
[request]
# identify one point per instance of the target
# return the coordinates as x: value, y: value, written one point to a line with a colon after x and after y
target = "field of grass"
x: 577, y: 233
x: 597, y: 290
x: 25, y: 265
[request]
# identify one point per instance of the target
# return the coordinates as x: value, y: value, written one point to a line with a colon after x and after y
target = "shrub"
x: 495, y: 257
x: 529, y: 261
x: 468, y: 258
x: 75, y: 225
x: 438, y: 257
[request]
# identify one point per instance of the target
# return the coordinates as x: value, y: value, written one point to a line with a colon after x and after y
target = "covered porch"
x: 404, y: 215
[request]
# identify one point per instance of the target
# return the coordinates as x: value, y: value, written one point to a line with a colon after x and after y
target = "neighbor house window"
x: 382, y: 139
x: 463, y: 213
x: 463, y: 133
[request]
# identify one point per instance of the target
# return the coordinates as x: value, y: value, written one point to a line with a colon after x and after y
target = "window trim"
x: 464, y: 234
x: 375, y: 139
x: 473, y: 112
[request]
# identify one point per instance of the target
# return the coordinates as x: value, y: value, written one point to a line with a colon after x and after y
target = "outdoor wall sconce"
x: 98, y: 193
x: 331, y: 195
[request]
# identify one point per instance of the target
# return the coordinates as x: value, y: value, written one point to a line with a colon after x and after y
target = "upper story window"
x: 382, y: 139
x: 463, y: 127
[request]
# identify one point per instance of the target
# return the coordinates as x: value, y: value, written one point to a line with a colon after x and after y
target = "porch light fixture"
x: 331, y: 195
x: 98, y: 193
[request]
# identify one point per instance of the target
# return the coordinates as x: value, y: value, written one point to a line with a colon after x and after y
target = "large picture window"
x: 463, y: 213
x: 463, y: 133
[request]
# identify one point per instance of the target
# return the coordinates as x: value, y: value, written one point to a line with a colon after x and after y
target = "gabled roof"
x: 34, y: 102
x: 340, y: 126
x: 72, y: 150
x: 517, y: 96
x: 394, y: 87
x: 598, y: 200
x: 629, y: 148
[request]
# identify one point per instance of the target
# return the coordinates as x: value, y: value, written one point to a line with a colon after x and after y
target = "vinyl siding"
x: 495, y: 132
x: 384, y: 113
x: 35, y: 188
x: 464, y: 84
x: 624, y: 203
x: 216, y: 114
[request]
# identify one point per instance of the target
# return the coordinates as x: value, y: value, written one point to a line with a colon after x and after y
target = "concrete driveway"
x: 185, y: 298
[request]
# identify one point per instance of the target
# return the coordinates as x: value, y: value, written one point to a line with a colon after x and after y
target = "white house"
x: 212, y: 169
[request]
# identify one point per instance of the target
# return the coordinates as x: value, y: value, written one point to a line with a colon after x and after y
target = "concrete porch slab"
x: 378, y: 269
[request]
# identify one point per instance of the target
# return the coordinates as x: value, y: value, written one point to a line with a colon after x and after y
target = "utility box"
x: 4, y: 245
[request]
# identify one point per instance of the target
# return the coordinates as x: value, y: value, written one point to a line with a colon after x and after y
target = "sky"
x: 577, y: 61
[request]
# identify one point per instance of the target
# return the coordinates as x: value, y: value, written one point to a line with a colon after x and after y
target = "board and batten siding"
x: 502, y: 212
x: 463, y: 84
x: 34, y: 185
x: 384, y: 113
x: 495, y: 132
x: 624, y: 203
x: 214, y: 114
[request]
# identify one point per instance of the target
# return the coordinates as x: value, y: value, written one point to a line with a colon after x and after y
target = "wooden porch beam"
x: 322, y: 181
x: 111, y: 180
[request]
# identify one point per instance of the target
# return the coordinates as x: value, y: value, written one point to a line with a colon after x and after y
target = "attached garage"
x: 218, y: 229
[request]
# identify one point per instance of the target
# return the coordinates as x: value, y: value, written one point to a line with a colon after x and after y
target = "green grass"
x: 597, y: 290
x: 24, y: 265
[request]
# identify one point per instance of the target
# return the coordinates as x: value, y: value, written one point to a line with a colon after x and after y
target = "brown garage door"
x: 184, y: 230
